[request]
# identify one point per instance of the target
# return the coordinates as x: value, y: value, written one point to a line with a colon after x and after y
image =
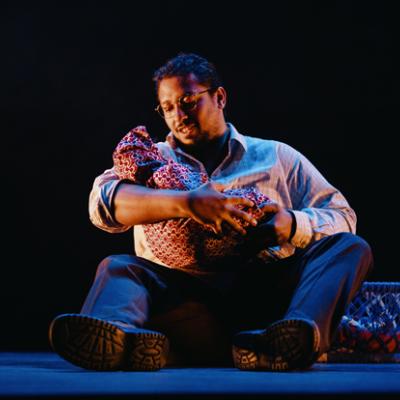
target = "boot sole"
x: 280, y: 347
x: 99, y: 345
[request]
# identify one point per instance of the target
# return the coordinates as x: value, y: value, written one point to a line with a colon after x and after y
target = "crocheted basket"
x: 370, y: 329
x: 377, y: 306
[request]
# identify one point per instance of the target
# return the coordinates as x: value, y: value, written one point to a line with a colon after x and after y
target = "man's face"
x: 195, y: 127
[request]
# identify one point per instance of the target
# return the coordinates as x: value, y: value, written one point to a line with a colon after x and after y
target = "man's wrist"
x: 293, y: 226
x: 183, y: 203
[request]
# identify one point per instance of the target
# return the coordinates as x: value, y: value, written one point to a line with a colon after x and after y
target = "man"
x: 282, y: 299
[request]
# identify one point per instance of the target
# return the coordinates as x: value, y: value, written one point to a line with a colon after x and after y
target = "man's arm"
x: 137, y: 205
x: 318, y: 209
x: 101, y: 202
x: 116, y: 205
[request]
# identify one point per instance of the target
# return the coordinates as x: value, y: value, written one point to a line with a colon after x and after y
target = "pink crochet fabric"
x: 179, y: 242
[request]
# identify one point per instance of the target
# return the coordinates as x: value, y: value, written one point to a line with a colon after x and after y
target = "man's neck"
x: 212, y: 154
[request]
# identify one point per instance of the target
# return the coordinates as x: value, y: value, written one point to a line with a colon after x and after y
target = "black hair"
x: 185, y: 64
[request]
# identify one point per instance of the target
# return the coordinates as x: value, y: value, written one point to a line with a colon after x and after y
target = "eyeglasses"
x: 187, y: 102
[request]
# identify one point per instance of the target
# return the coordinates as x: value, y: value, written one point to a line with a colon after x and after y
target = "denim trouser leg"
x: 316, y: 283
x: 332, y: 271
x: 131, y: 289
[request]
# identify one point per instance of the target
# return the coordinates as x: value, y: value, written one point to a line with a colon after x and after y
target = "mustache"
x: 185, y: 124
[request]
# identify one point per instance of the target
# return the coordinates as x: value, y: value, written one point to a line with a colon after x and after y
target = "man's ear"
x: 221, y: 97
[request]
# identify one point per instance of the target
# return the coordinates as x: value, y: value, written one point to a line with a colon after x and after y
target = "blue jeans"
x: 316, y: 283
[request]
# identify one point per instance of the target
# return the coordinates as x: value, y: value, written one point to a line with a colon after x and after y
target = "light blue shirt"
x: 274, y: 168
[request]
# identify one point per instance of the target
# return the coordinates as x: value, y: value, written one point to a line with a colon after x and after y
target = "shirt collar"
x: 234, y: 136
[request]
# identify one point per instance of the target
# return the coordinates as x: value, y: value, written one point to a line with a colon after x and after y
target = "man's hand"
x: 274, y: 231
x: 208, y: 206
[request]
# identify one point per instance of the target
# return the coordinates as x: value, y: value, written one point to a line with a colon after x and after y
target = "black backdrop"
x: 76, y: 76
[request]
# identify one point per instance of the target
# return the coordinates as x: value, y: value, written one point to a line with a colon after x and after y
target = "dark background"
x: 77, y: 76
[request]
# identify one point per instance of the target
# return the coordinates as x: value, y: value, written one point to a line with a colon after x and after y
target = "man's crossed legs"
x: 280, y: 316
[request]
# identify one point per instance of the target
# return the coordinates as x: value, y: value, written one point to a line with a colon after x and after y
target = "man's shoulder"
x: 257, y: 142
x: 261, y: 148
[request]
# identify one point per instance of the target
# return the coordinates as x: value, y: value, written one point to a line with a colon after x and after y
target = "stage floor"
x: 45, y: 375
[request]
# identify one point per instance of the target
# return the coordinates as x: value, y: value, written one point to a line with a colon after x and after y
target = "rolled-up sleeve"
x: 320, y: 209
x: 101, y: 202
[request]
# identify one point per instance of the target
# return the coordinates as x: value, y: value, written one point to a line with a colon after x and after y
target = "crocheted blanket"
x: 179, y: 242
x: 371, y: 324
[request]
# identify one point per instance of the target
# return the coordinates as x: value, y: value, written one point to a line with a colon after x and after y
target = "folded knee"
x: 116, y: 264
x: 360, y: 247
x: 357, y: 243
